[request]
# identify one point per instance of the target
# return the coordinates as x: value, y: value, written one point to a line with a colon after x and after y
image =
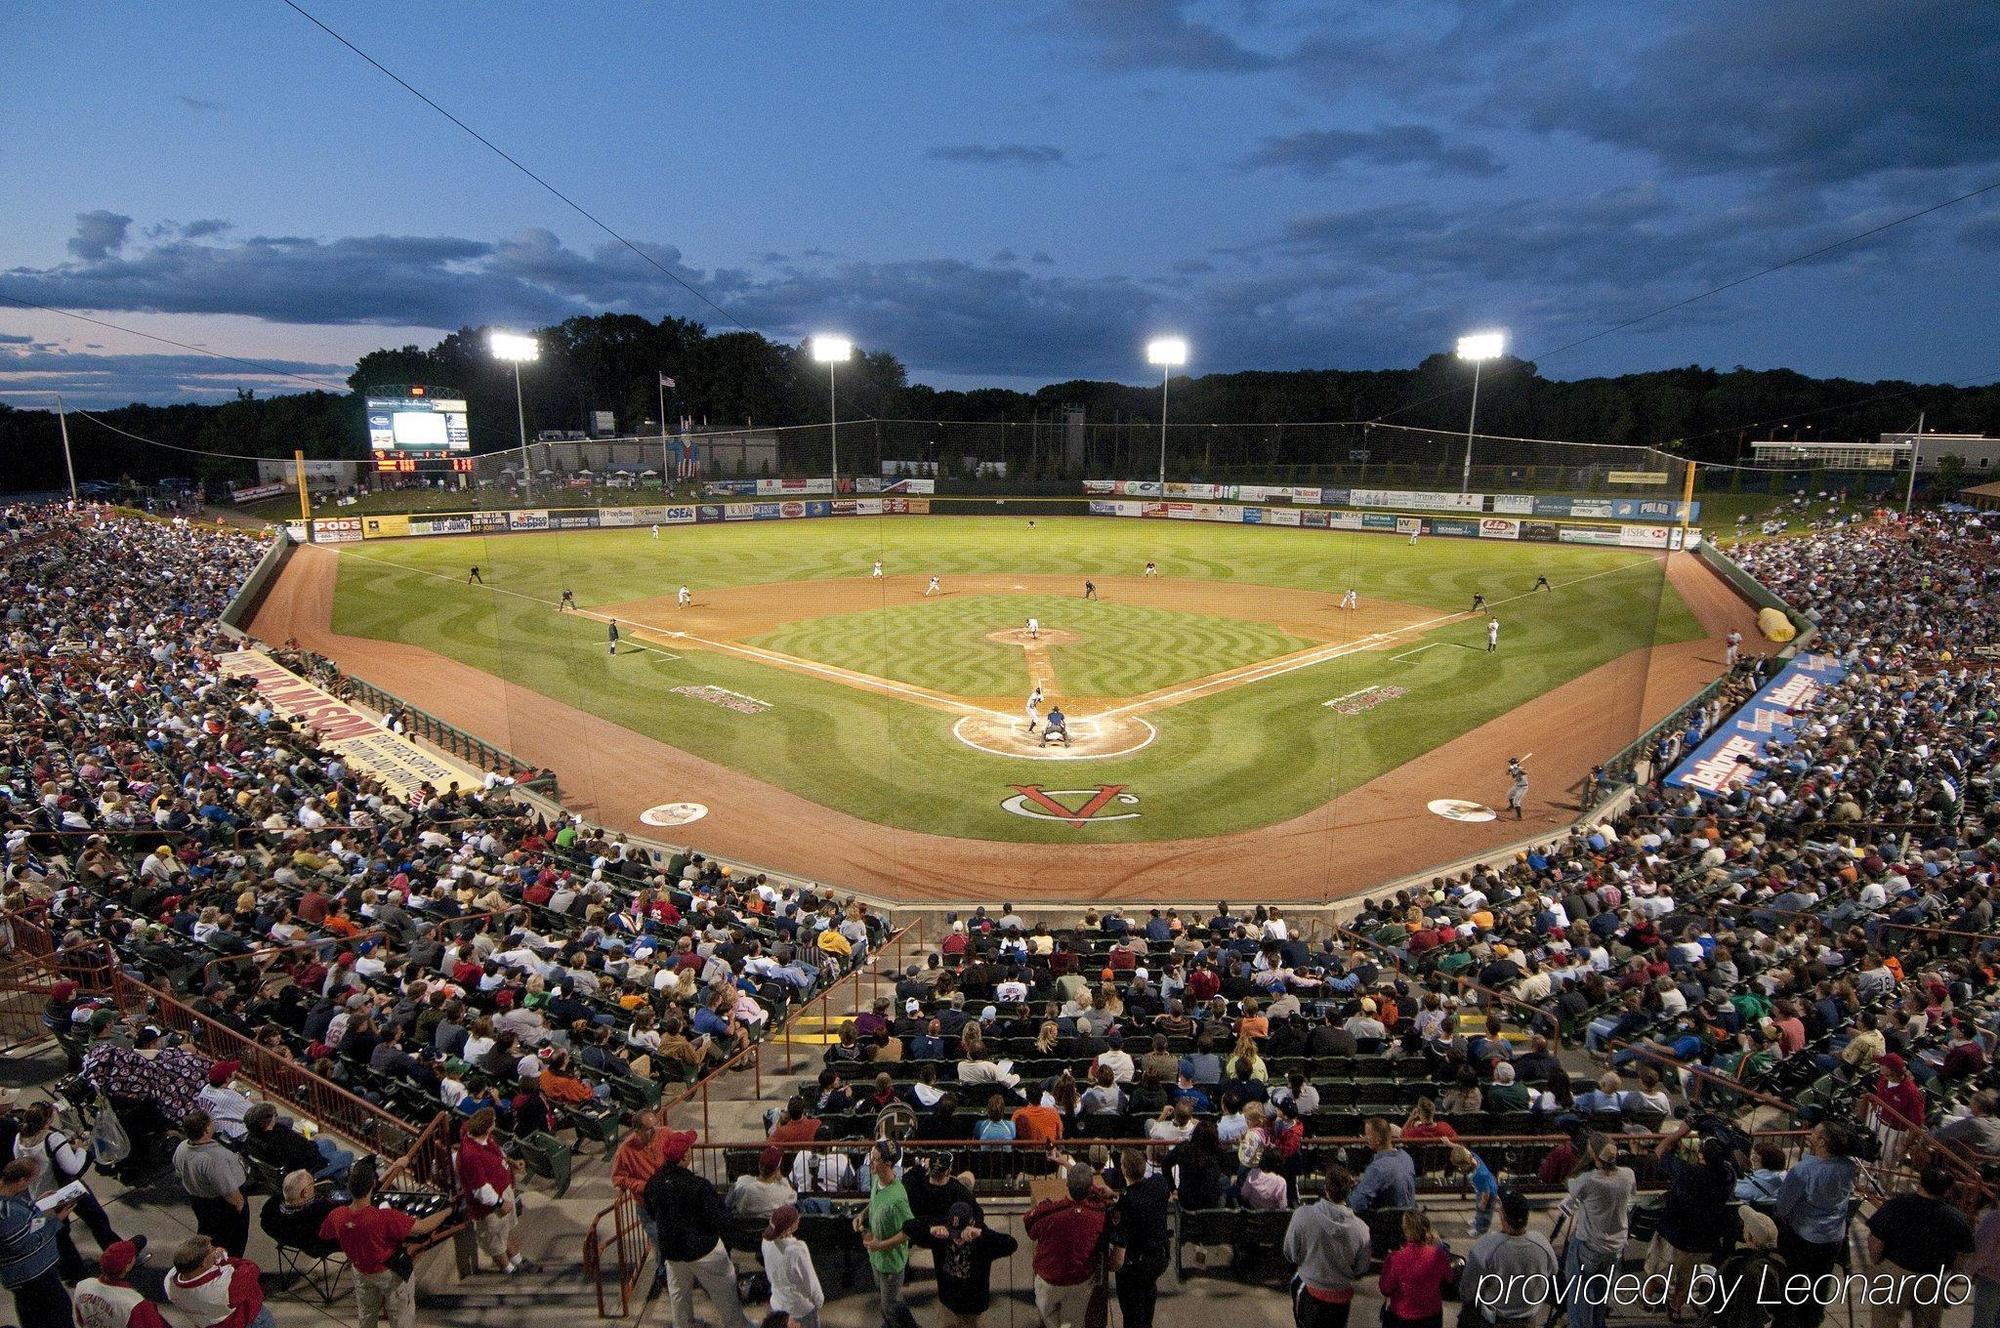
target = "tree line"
x: 612, y: 362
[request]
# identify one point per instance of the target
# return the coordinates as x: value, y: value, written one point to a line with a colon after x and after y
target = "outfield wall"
x: 1469, y: 526
x: 387, y: 525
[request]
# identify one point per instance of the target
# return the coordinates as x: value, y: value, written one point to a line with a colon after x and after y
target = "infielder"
x: 1478, y: 601
x: 568, y: 601
x: 1034, y: 629
x: 1034, y: 707
x: 876, y: 571
x: 1734, y: 650
x: 1542, y: 583
x: 684, y: 597
x: 933, y: 588
x: 614, y: 636
x: 1350, y: 600
x: 1517, y: 792
x: 473, y: 576
x: 1492, y: 635
x: 1090, y: 590
x: 1152, y: 568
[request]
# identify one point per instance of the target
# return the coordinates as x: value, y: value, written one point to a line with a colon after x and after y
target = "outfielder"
x: 656, y: 530
x: 876, y: 571
x: 684, y: 597
x: 1492, y: 635
x: 473, y: 576
x: 1350, y: 600
x: 1034, y: 707
x: 934, y: 587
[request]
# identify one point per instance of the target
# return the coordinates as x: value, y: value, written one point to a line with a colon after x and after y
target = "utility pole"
x: 62, y: 423
x: 1916, y: 444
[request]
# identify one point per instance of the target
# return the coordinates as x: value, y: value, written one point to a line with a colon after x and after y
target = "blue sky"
x: 1007, y: 194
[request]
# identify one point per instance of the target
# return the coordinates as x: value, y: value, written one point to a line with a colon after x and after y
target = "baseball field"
x: 1226, y: 694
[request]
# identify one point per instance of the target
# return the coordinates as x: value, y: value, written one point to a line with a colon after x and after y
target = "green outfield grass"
x: 1242, y: 758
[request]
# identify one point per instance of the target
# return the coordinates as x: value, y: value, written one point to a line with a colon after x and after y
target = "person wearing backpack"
x: 62, y: 1162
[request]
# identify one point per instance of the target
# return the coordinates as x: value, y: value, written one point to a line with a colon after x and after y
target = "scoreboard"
x: 418, y: 430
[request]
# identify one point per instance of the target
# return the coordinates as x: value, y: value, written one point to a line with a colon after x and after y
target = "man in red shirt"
x: 1069, y: 1244
x: 486, y: 1180
x: 369, y: 1237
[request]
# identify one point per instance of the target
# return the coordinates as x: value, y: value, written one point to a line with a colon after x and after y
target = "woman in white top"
x: 62, y: 1162
x: 795, y: 1289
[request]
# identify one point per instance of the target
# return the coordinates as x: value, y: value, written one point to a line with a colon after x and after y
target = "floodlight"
x: 827, y: 349
x: 1481, y: 345
x: 1167, y: 351
x: 511, y: 346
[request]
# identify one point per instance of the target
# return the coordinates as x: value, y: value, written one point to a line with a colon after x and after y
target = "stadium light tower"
x: 1169, y: 353
x: 1477, y: 347
x: 830, y: 351
x: 517, y: 350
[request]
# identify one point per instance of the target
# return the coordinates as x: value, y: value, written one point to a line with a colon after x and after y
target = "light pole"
x: 830, y: 351
x: 62, y: 422
x: 1477, y: 347
x: 1169, y: 353
x: 1916, y: 444
x: 516, y: 350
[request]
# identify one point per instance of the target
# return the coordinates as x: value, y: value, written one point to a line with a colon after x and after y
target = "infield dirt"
x: 1373, y: 834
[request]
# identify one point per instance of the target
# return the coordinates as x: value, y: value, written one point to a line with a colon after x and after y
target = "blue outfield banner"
x: 1774, y: 713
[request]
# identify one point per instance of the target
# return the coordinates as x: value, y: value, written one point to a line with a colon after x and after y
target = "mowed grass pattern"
x: 1125, y: 649
x: 1243, y: 758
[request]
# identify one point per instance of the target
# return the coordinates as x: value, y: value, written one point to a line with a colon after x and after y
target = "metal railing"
x: 450, y: 738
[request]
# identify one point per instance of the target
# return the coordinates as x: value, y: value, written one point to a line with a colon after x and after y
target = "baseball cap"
x: 784, y: 1220
x: 912, y: 1006
x: 677, y: 1145
x: 118, y: 1258
x: 771, y: 1158
x: 222, y: 1072
x: 1891, y: 1062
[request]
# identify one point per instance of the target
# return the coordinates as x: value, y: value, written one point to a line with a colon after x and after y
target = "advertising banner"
x: 1100, y: 486
x: 1384, y: 521
x: 1281, y: 516
x: 250, y: 493
x: 617, y: 516
x: 362, y: 743
x: 384, y: 527
x: 1455, y: 526
x: 680, y: 515
x: 1347, y: 520
x: 1595, y: 509
x: 1643, y: 537
x: 1651, y: 509
x: 1551, y: 507
x: 731, y: 488
x: 1409, y: 525
x: 1543, y: 532
x: 910, y: 486
x: 819, y: 507
x: 766, y: 511
x: 790, y: 511
x: 711, y: 512
x: 1497, y: 527
x: 868, y: 506
x: 920, y: 506
x: 1314, y: 519
x: 1774, y: 713
x: 1175, y: 489
x: 1587, y: 535
x: 528, y: 519
x: 1513, y: 504
x: 337, y: 529
x: 1418, y: 498
x: 296, y: 530
x: 440, y: 525
x: 489, y: 521
x: 862, y: 484
x: 1654, y: 477
x: 573, y: 520
x: 1337, y: 497
x: 1252, y: 516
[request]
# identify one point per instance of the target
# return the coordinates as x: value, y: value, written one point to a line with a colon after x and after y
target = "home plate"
x: 1458, y: 809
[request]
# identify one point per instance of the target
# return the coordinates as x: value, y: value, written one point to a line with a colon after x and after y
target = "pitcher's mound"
x: 1018, y: 636
x: 1089, y: 738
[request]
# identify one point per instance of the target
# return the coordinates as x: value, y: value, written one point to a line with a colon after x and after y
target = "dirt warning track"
x: 1377, y: 832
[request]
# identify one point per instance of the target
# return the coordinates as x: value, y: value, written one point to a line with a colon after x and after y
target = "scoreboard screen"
x: 418, y: 426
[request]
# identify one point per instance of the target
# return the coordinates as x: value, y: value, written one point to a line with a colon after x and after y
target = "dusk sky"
x: 1003, y: 194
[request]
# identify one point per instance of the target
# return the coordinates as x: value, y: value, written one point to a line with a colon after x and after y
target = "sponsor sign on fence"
x: 910, y: 486
x: 1421, y: 499
x: 1587, y: 535
x: 1643, y: 537
x: 384, y: 527
x: 1513, y: 504
x: 250, y: 493
x: 489, y: 521
x: 336, y: 529
x: 440, y: 525
x: 528, y: 519
x: 617, y: 516
x: 1499, y: 527
x: 1775, y: 712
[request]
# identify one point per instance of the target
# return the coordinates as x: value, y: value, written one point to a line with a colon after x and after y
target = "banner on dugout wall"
x: 1773, y: 714
x: 359, y: 739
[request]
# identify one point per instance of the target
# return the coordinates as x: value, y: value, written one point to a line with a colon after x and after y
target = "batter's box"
x: 728, y: 700
x: 1366, y: 699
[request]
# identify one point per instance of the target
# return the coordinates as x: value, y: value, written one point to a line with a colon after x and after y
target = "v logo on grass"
x: 1037, y: 803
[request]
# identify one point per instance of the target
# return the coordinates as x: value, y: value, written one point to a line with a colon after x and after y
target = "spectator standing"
x: 1329, y: 1247
x: 486, y: 1182
x: 1695, y: 1212
x: 688, y: 1214
x: 213, y: 1177
x: 1414, y: 1277
x: 28, y: 1247
x: 1599, y: 1210
x: 1069, y: 1235
x: 1812, y: 1211
x: 964, y: 1250
x: 372, y: 1239
x: 213, y: 1290
x: 1921, y: 1234
x: 1139, y: 1231
x: 1499, y: 1268
x: 1390, y: 1178
x: 882, y: 1233
x: 788, y: 1266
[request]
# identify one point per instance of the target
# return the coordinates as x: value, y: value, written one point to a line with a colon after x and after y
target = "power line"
x: 171, y: 447
x: 1663, y: 310
x: 495, y: 148
x: 317, y: 382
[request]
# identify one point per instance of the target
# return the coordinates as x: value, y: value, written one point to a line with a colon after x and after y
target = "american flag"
x: 666, y: 381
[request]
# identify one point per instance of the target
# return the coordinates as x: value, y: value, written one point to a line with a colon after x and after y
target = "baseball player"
x: 934, y: 588
x: 1057, y: 729
x: 1350, y: 600
x: 1090, y: 590
x: 1492, y: 635
x: 473, y: 576
x: 568, y: 601
x: 1542, y: 583
x: 1034, y: 707
x: 1478, y: 601
x: 1413, y: 534
x: 1152, y: 568
x: 656, y: 530
x: 1034, y: 629
x: 614, y: 636
x: 1734, y: 648
x: 1517, y: 792
x: 1031, y: 523
x: 876, y: 571
x: 684, y: 597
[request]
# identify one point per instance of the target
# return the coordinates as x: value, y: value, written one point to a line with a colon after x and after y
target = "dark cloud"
x: 199, y: 230
x: 197, y: 103
x: 1036, y: 156
x: 1982, y: 232
x: 15, y: 339
x: 1041, y: 257
x: 94, y: 381
x: 99, y: 234
x: 1158, y: 34
x: 1005, y: 256
x: 1317, y: 153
